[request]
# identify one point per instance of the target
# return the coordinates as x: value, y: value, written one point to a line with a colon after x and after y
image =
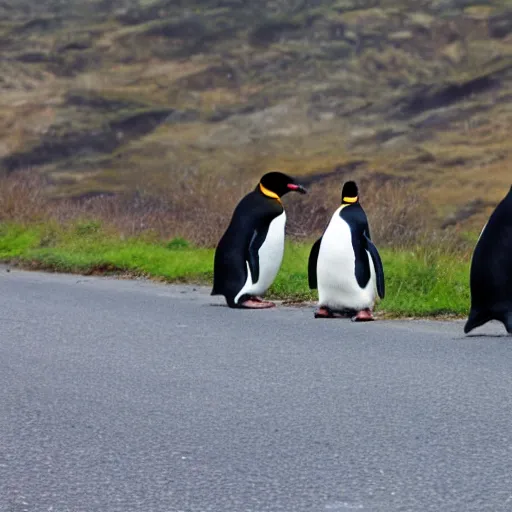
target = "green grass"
x: 15, y: 241
x: 86, y: 248
x: 422, y: 282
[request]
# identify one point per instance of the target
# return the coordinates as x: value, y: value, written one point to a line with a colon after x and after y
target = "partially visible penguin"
x: 344, y: 264
x: 491, y: 270
x: 249, y: 254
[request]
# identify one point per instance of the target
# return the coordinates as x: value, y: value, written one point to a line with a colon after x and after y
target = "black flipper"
x: 379, y: 269
x: 313, y: 259
x: 252, y: 257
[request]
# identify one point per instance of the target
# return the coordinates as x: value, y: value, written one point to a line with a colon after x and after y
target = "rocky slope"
x: 110, y: 95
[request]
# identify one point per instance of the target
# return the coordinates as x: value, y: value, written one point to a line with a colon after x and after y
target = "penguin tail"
x: 508, y: 322
x: 216, y: 288
x: 506, y: 319
x: 476, y: 319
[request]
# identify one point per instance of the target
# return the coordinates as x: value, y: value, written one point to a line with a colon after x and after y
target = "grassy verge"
x: 423, y: 282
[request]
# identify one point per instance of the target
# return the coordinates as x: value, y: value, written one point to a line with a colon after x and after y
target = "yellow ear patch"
x: 350, y: 199
x: 269, y: 193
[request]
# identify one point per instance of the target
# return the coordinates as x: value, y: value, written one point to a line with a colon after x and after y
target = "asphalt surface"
x: 131, y: 396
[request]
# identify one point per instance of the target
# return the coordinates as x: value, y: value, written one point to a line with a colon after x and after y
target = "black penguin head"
x: 278, y: 184
x: 349, y: 193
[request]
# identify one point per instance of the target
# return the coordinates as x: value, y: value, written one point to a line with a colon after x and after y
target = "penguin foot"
x: 323, y: 313
x: 365, y: 315
x: 268, y: 304
x: 257, y: 303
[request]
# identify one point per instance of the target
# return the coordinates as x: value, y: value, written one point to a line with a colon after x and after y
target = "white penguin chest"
x: 272, y: 250
x: 336, y: 251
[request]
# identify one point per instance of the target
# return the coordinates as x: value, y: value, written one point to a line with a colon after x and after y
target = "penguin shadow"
x: 487, y: 335
x: 277, y: 307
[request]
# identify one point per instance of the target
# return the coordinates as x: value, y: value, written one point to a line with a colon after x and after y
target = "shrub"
x: 197, y: 208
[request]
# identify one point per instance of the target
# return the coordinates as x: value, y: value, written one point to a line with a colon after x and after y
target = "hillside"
x: 113, y: 95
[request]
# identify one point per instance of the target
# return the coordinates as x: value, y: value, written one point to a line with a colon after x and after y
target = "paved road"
x: 129, y: 396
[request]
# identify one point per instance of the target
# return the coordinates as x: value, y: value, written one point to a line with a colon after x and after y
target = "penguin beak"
x: 297, y: 188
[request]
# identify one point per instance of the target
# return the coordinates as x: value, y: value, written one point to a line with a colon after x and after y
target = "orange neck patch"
x: 269, y: 193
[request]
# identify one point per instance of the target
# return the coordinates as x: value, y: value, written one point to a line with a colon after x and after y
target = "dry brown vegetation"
x: 199, y: 210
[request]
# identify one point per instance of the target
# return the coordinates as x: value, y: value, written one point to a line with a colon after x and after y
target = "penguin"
x: 344, y: 264
x: 490, y: 277
x: 250, y: 252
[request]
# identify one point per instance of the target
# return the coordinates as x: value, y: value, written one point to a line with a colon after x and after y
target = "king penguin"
x: 249, y: 254
x: 490, y: 276
x: 344, y: 264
